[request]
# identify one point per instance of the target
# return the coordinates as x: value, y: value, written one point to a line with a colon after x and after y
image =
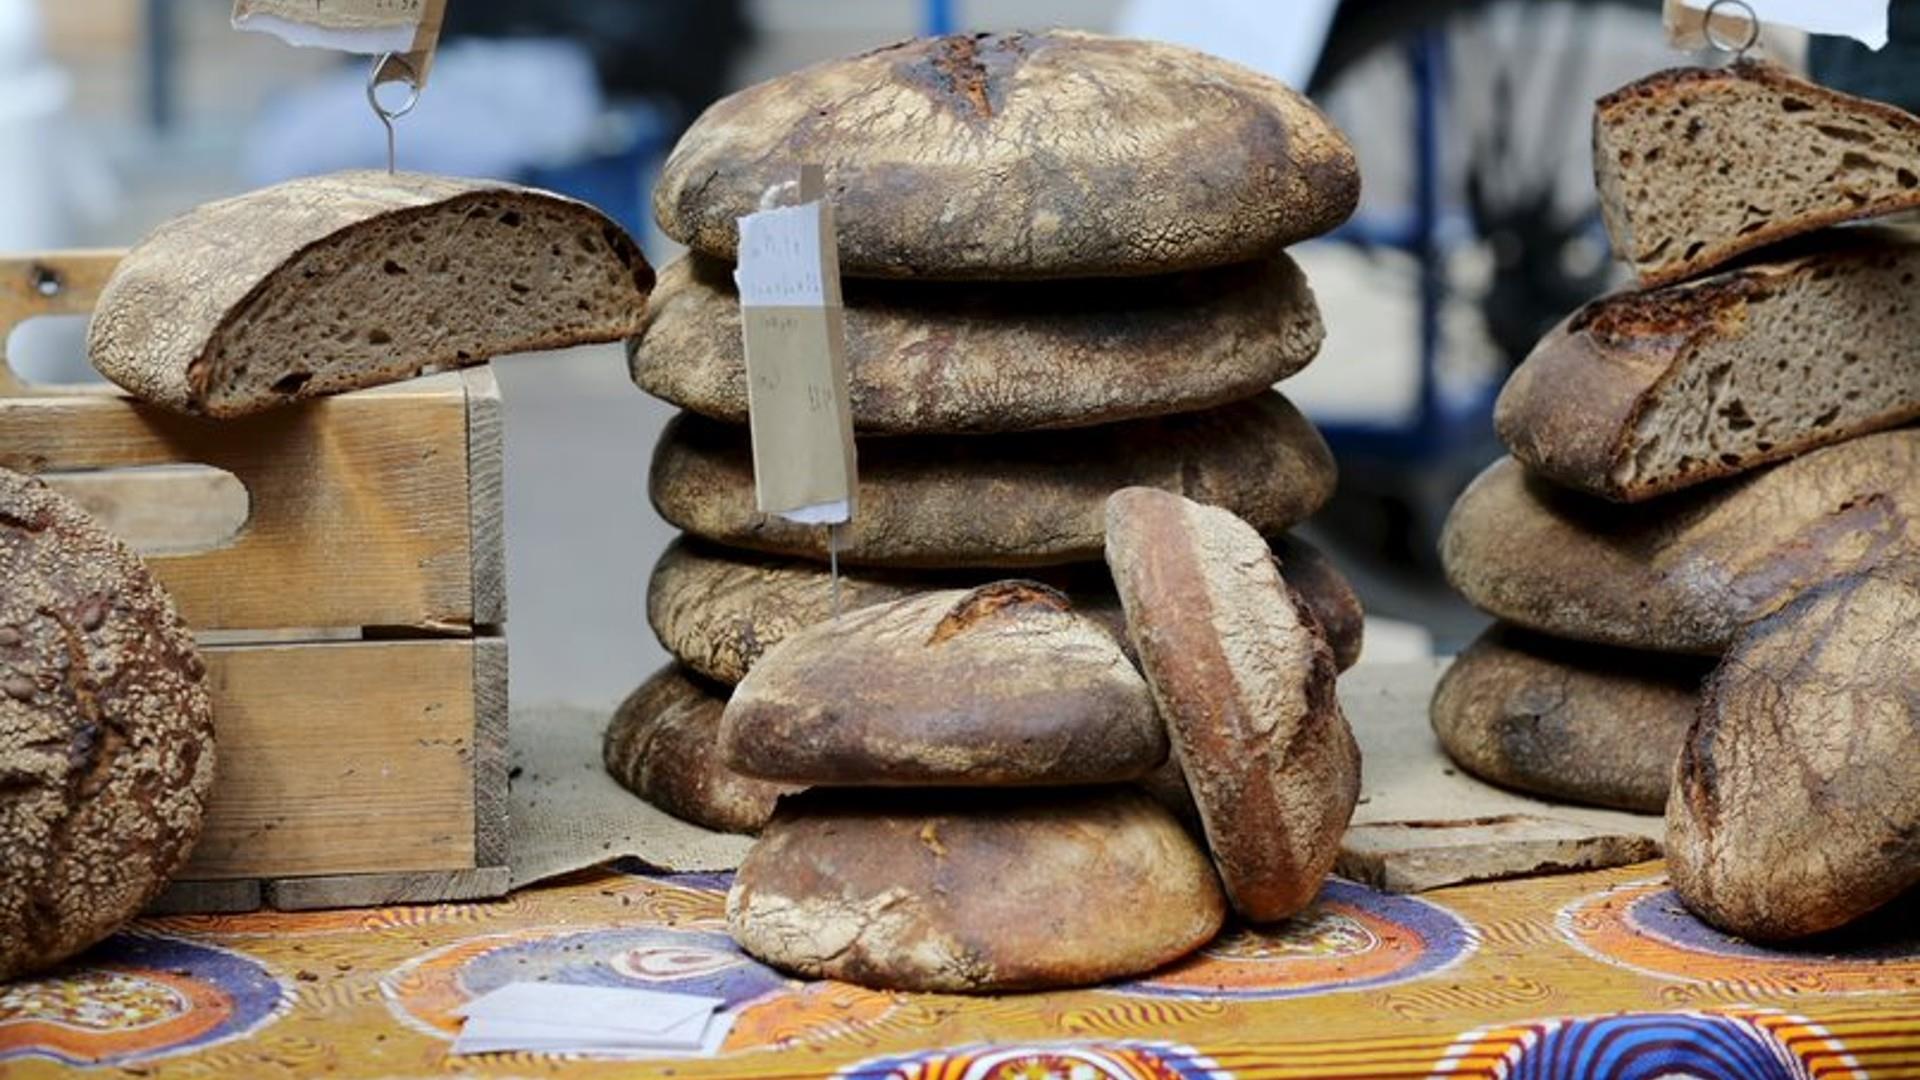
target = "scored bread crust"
x: 1574, y: 410
x: 1794, y: 809
x: 927, y: 358
x: 1030, y: 499
x: 1003, y: 685
x: 970, y: 891
x: 1688, y: 577
x: 106, y: 731
x: 163, y: 316
x: 1244, y: 681
x: 664, y: 746
x: 1565, y: 720
x: 1620, y: 195
x: 1021, y: 155
x: 718, y: 610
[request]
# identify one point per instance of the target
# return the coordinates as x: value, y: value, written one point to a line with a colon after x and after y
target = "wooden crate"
x: 352, y: 625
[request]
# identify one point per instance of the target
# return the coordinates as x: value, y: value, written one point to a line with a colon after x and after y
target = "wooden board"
x: 48, y: 283
x: 1414, y: 856
x: 355, y: 757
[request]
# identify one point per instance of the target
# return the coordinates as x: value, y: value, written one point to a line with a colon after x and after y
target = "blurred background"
x: 1478, y: 227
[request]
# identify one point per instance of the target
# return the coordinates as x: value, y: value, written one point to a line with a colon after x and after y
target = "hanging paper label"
x: 795, y: 334
x: 409, y: 29
x: 1864, y: 21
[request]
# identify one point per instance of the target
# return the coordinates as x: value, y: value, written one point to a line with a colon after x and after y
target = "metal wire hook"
x: 408, y: 76
x: 1753, y: 28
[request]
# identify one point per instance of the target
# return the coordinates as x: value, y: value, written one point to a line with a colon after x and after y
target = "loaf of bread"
x: 1640, y: 394
x: 1021, y: 500
x: 956, y: 359
x: 1055, y: 154
x: 338, y: 282
x: 970, y: 891
x: 1683, y: 574
x: 1796, y: 804
x: 995, y: 686
x: 1244, y: 681
x: 664, y: 746
x: 1698, y: 165
x: 1568, y: 721
x: 106, y: 731
x: 718, y: 610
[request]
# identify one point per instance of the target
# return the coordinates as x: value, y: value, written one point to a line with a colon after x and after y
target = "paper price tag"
x: 1863, y: 20
x: 794, y: 329
x: 409, y: 29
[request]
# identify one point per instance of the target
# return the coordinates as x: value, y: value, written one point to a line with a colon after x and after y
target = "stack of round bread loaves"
x: 1065, y: 274
x: 1713, y: 466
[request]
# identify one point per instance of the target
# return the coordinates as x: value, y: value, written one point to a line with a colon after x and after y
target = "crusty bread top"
x: 175, y: 291
x: 1054, y: 154
x: 106, y: 731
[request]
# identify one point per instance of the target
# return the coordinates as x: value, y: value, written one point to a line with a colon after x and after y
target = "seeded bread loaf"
x: 1568, y: 721
x: 1244, y: 681
x: 344, y: 281
x: 1000, y: 156
x: 1031, y: 499
x: 1643, y: 393
x: 1685, y: 573
x: 664, y: 746
x: 718, y: 610
x: 925, y: 359
x: 973, y: 891
x: 1796, y: 804
x: 106, y: 731
x: 1002, y: 685
x: 1698, y: 165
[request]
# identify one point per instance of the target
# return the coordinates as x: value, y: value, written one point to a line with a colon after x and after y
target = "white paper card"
x: 1863, y: 20
x: 780, y: 263
x: 711, y: 1040
x: 611, y: 1007
x: 371, y: 41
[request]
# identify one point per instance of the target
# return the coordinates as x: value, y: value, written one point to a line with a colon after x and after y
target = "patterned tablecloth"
x: 1584, y: 976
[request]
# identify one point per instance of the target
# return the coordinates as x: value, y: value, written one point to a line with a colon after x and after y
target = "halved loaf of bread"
x: 1644, y: 393
x: 354, y: 279
x: 1697, y: 165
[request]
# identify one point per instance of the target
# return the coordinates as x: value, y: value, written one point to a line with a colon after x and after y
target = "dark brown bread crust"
x: 933, y: 359
x: 1009, y: 500
x: 1001, y: 156
x: 106, y: 731
x: 1002, y: 685
x: 1568, y: 412
x: 718, y: 610
x: 173, y: 298
x: 1686, y: 573
x: 664, y: 746
x: 1567, y: 720
x: 1795, y: 807
x: 1245, y: 683
x: 973, y: 891
x: 1665, y: 85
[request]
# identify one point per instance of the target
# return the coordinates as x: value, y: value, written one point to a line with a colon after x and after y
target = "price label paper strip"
x: 1863, y: 20
x: 408, y: 29
x: 795, y: 334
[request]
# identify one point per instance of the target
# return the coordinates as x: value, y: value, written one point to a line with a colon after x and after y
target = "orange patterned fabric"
x: 1582, y: 977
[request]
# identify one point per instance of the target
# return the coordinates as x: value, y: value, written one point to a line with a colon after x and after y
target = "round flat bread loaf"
x: 1796, y: 805
x: 1684, y: 573
x: 106, y: 731
x: 1006, y: 500
x: 1056, y: 154
x: 969, y: 359
x: 1567, y: 720
x: 664, y: 746
x: 1245, y: 683
x: 717, y: 610
x: 999, y: 685
x: 958, y: 891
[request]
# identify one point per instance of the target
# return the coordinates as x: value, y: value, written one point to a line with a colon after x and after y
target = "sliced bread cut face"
x: 1641, y: 394
x: 1697, y: 165
x: 355, y: 279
